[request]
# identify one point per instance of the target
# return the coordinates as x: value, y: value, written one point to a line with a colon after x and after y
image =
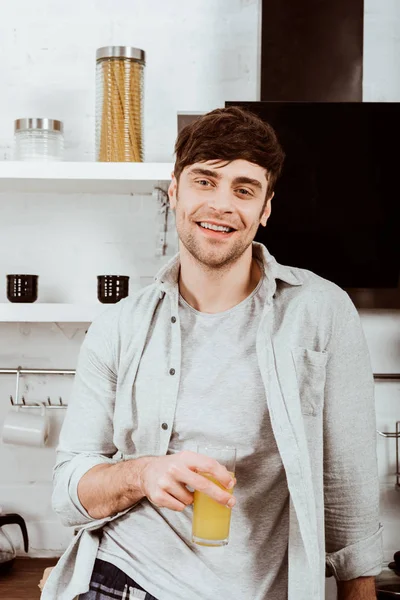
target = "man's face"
x: 215, y: 194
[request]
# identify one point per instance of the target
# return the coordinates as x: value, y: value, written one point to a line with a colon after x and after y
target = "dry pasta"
x: 120, y: 136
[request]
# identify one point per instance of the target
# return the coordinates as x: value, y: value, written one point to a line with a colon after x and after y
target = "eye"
x: 203, y: 182
x: 244, y: 192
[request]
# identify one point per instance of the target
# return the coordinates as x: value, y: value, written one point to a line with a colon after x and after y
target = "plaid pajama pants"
x: 109, y: 582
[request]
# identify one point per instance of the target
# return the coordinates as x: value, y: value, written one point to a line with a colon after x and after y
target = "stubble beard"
x: 213, y: 258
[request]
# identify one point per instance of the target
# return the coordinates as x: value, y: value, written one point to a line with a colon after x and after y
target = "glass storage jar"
x: 39, y: 139
x: 119, y: 104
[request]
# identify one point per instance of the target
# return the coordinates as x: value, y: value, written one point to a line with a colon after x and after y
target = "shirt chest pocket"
x: 310, y: 368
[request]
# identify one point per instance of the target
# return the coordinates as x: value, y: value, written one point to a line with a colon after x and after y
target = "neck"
x: 213, y: 290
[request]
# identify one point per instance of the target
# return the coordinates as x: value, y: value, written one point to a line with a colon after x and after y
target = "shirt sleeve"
x: 353, y: 533
x: 86, y: 437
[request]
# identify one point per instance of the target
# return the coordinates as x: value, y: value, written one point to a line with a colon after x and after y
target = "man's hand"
x: 163, y: 480
x: 362, y: 588
x: 109, y: 489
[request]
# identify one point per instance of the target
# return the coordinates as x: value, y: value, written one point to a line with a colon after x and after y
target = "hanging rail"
x: 393, y: 376
x: 37, y: 371
x: 19, y: 371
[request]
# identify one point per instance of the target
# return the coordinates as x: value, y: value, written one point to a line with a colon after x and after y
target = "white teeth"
x: 215, y: 227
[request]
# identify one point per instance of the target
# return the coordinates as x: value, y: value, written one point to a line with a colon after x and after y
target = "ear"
x: 267, y: 211
x: 172, y: 191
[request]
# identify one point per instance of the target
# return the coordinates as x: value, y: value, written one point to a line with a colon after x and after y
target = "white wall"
x: 199, y: 54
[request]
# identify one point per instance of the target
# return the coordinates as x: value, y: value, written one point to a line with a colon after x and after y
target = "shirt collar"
x: 167, y: 276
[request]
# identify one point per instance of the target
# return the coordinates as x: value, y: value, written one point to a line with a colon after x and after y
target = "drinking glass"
x: 211, y: 520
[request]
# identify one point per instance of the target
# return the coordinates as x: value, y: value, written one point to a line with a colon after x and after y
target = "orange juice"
x: 211, y: 520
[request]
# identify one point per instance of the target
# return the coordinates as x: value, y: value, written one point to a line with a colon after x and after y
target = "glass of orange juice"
x: 211, y: 520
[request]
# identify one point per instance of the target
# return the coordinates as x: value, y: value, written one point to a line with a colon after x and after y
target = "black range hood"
x: 336, y: 209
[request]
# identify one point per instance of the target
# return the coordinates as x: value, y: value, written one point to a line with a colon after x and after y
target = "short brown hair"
x: 230, y: 134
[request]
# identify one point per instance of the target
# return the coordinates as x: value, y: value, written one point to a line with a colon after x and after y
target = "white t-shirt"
x: 221, y: 400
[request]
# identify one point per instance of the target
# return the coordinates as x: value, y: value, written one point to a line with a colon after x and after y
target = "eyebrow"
x: 216, y: 175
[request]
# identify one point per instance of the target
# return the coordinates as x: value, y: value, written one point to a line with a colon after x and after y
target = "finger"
x: 189, y: 469
x: 180, y: 492
x: 205, y: 485
x: 165, y: 500
x: 206, y: 464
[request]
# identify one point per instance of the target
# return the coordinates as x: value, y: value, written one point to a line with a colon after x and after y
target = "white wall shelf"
x: 83, y: 177
x: 37, y: 312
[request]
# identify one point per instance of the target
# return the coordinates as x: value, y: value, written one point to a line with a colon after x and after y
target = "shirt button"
x: 164, y: 425
x: 172, y: 371
x: 173, y: 319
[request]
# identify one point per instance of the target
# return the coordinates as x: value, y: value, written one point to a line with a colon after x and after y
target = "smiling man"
x: 227, y: 347
x: 222, y: 204
x: 228, y: 206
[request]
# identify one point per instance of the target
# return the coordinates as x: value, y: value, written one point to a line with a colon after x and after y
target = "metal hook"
x: 19, y: 372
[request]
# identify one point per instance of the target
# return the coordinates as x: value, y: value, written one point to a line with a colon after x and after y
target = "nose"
x: 221, y: 200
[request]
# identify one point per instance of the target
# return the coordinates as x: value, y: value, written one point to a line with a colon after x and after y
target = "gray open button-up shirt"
x: 318, y: 382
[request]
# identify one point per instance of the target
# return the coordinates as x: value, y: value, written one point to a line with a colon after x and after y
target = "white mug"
x: 25, y: 427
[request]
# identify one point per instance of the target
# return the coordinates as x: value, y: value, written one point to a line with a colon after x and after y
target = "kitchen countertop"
x: 22, y: 581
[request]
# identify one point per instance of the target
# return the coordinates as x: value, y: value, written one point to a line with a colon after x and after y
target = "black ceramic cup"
x: 112, y: 288
x: 22, y: 288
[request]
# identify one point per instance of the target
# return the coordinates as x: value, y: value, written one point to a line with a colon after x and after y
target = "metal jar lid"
x: 121, y: 52
x: 43, y: 124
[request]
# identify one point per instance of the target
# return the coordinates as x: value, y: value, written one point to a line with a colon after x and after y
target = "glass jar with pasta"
x: 119, y: 104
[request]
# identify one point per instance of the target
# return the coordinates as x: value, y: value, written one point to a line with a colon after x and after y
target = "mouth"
x: 214, y: 230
